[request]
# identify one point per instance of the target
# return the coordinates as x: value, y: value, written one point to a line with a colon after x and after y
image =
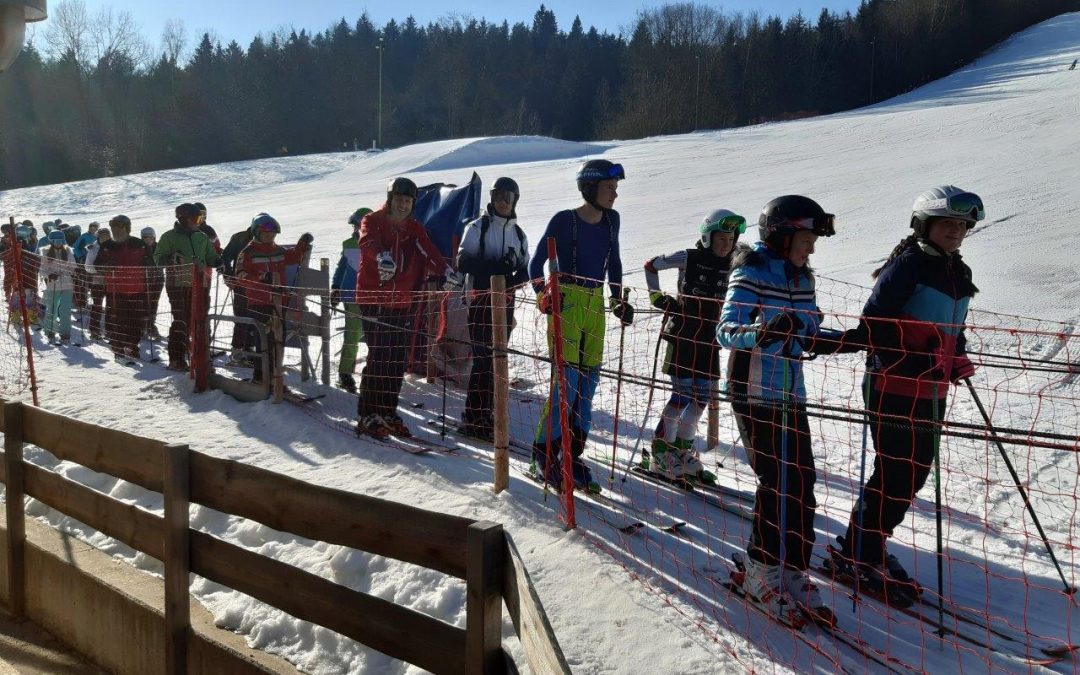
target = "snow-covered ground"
x: 1005, y: 127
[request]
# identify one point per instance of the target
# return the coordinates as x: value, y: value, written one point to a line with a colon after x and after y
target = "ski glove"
x: 543, y: 302
x: 387, y: 267
x: 780, y: 328
x: 849, y: 341
x: 962, y: 368
x: 622, y: 310
x: 508, y: 264
x: 335, y: 297
x: 307, y: 238
x: 664, y: 302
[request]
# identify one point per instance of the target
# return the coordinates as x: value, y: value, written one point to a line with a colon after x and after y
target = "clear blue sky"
x: 243, y: 19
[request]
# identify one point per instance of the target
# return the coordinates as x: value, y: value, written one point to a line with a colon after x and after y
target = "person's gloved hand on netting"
x: 452, y: 280
x: 622, y: 310
x: 780, y: 328
x: 543, y: 301
x: 307, y: 238
x: 508, y: 264
x: 664, y: 302
x: 835, y: 342
x: 335, y: 297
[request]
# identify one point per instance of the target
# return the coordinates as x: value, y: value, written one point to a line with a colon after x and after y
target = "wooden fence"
x: 478, y: 552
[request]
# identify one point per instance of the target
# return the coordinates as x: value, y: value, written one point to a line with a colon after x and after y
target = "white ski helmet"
x: 945, y: 201
x: 721, y: 220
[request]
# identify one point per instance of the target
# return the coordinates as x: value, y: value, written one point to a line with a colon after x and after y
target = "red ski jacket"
x: 260, y: 270
x: 124, y: 266
x: 408, y: 244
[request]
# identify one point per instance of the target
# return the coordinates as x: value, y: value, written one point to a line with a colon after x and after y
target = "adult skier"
x: 692, y: 357
x: 493, y: 244
x: 261, y: 272
x: 587, y: 245
x: 343, y: 290
x: 396, y: 257
x: 914, y: 326
x: 770, y: 320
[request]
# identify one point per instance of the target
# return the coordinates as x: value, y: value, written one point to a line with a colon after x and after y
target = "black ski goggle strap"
x: 822, y: 226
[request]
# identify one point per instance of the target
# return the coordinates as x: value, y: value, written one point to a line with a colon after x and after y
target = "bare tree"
x: 68, y: 30
x: 116, y: 37
x: 100, y: 41
x: 174, y: 40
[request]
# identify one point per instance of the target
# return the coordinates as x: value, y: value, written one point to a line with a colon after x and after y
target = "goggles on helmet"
x: 966, y: 205
x: 615, y: 171
x: 821, y: 225
x: 505, y: 196
x: 732, y: 223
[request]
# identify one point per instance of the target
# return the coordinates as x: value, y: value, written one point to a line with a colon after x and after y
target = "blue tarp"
x: 445, y: 210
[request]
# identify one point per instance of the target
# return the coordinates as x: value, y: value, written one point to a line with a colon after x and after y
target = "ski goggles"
x: 734, y: 224
x: 505, y: 196
x: 964, y: 205
x: 615, y: 171
x: 822, y: 226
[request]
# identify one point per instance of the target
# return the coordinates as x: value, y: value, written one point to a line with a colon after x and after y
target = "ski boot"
x: 480, y: 427
x: 666, y: 461
x: 807, y: 598
x: 345, y: 381
x: 397, y: 426
x: 692, y: 466
x: 764, y: 585
x: 874, y: 579
x: 543, y: 471
x: 583, y: 478
x: 373, y: 425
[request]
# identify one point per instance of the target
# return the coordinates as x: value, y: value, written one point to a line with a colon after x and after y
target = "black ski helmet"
x: 784, y: 216
x: 186, y: 211
x: 592, y: 172
x: 505, y: 184
x: 400, y: 186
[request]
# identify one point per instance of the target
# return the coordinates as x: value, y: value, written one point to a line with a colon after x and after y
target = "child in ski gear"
x: 82, y: 280
x: 123, y: 261
x: 493, y: 244
x: 57, y: 269
x: 587, y: 245
x: 261, y: 271
x: 236, y: 244
x: 155, y: 283
x: 692, y: 358
x: 177, y: 250
x: 396, y: 256
x: 205, y: 228
x: 343, y: 290
x: 913, y: 328
x: 96, y: 284
x: 770, y: 319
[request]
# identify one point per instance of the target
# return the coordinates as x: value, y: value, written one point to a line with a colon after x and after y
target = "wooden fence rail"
x: 478, y: 552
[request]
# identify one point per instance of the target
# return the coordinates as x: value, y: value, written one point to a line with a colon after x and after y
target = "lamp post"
x: 381, y: 47
x: 14, y: 15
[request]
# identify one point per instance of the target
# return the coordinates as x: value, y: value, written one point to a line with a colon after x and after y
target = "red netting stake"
x: 560, y: 365
x: 17, y: 250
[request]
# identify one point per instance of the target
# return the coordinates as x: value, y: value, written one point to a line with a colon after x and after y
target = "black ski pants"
x: 768, y: 435
x: 904, y: 452
x: 125, y: 316
x: 387, y: 333
x: 480, y: 399
x: 180, y: 305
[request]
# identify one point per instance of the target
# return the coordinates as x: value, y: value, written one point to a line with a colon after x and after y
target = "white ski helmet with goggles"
x: 946, y: 201
x: 721, y: 220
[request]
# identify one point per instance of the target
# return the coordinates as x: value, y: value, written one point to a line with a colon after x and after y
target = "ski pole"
x: 1069, y: 590
x: 937, y: 509
x: 649, y: 399
x: 618, y: 391
x: 862, y: 485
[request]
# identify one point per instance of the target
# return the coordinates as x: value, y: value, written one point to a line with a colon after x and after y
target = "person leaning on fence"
x: 95, y: 284
x: 771, y: 320
x: 493, y: 244
x: 343, y: 290
x: 913, y: 324
x: 57, y: 269
x: 177, y: 250
x: 236, y: 244
x: 587, y: 245
x: 123, y: 261
x: 692, y: 357
x: 261, y: 271
x: 396, y: 257
x: 155, y: 283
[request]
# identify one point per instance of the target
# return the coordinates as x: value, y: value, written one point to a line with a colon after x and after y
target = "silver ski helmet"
x: 945, y: 201
x: 721, y: 220
x: 592, y: 172
x: 784, y: 216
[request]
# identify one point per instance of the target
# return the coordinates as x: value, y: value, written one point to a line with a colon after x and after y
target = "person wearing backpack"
x: 491, y: 245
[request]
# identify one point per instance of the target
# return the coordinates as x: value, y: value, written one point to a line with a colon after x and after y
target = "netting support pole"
x: 324, y: 319
x: 1069, y: 590
x: 17, y: 255
x: 502, y: 382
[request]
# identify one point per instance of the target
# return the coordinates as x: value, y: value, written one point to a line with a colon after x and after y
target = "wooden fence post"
x: 177, y: 558
x: 16, y: 523
x: 485, y: 559
x: 502, y: 382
